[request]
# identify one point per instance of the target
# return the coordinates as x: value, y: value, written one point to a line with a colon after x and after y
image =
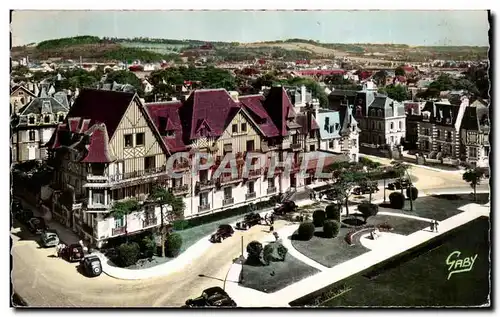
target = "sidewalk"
x: 329, y: 276
x: 378, y: 158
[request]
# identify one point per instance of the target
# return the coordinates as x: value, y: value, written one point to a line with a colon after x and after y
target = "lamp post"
x: 410, y: 191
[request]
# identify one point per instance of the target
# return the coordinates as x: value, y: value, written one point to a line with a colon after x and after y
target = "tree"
x: 399, y: 71
x: 162, y: 197
x: 370, y: 167
x: 122, y: 208
x: 401, y: 170
x: 380, y: 78
x: 473, y: 176
x: 345, y: 182
x: 125, y: 77
x: 395, y: 92
x: 368, y: 210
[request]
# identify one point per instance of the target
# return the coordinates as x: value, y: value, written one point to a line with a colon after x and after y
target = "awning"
x: 228, y: 147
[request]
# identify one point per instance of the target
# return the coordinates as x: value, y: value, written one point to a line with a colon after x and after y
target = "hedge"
x: 127, y: 254
x: 254, y: 250
x: 368, y: 210
x: 333, y: 212
x: 397, y: 200
x: 318, y: 217
x: 306, y: 231
x: 173, y: 245
x: 148, y: 246
x: 414, y: 193
x: 331, y: 228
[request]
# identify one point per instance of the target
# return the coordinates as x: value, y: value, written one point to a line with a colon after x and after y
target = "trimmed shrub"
x: 127, y: 254
x: 333, y: 211
x: 331, y: 228
x: 274, y: 252
x: 180, y: 225
x: 368, y: 210
x: 148, y: 246
x: 306, y: 231
x: 254, y: 250
x: 318, y: 217
x: 173, y: 245
x: 397, y: 200
x: 414, y: 193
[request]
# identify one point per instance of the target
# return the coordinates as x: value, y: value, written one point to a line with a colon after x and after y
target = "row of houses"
x: 111, y: 146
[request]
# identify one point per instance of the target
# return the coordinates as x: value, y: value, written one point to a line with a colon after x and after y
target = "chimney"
x: 234, y: 95
x: 303, y: 92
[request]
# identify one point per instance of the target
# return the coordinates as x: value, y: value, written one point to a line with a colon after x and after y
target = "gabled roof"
x: 253, y: 105
x: 476, y: 117
x: 165, y: 116
x: 101, y: 106
x: 97, y: 150
x: 279, y: 108
x: 307, y: 123
x: 17, y: 87
x: 215, y: 106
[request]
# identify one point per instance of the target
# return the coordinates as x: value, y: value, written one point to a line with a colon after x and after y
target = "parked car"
x: 362, y: 190
x: 211, y: 297
x: 72, y: 253
x: 36, y: 225
x: 24, y: 216
x: 249, y: 221
x: 286, y: 207
x: 398, y: 184
x: 50, y: 238
x: 223, y: 232
x: 91, y: 265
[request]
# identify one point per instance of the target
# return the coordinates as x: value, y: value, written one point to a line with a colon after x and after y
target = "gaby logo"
x: 459, y: 265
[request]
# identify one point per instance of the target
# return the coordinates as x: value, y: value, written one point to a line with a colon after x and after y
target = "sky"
x: 398, y: 27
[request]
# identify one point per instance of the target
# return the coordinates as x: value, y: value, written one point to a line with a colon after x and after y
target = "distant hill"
x: 150, y: 49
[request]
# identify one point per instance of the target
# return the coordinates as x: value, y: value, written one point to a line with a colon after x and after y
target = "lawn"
x: 328, y: 252
x: 401, y: 225
x: 438, y: 207
x: 276, y: 275
x: 421, y: 277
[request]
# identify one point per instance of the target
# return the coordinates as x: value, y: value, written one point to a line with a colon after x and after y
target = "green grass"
x: 422, y: 280
x: 401, y: 225
x: 275, y: 276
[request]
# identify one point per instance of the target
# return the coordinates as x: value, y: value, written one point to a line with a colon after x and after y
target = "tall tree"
x: 401, y: 170
x: 473, y: 176
x: 162, y: 197
x: 345, y: 180
x: 120, y: 209
x: 399, y: 71
x: 370, y: 167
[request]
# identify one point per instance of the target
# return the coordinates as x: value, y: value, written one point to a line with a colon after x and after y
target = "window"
x: 243, y: 127
x: 119, y: 223
x: 150, y: 213
x: 473, y: 138
x: 448, y: 135
x: 473, y: 152
x: 392, y: 125
x: 98, y: 198
x: 312, y: 134
x: 400, y: 125
x: 203, y: 199
x: 32, y: 135
x: 177, y: 182
x: 139, y: 139
x: 235, y: 128
x: 438, y: 134
x: 295, y: 139
x: 327, y: 121
x: 204, y: 176
x: 149, y: 162
x: 251, y: 188
x: 228, y: 192
x: 60, y: 118
x: 330, y: 144
x: 337, y: 126
x: 170, y: 133
x: 392, y: 139
x: 46, y: 119
x: 128, y: 140
x: 31, y: 120
x: 312, y: 148
x: 354, y: 142
x: 250, y: 145
x: 270, y: 183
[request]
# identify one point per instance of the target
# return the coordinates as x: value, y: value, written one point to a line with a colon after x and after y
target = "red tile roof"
x: 165, y: 117
x: 98, y: 146
x: 215, y: 106
x: 325, y: 72
x: 101, y: 106
x: 253, y: 105
x: 279, y: 108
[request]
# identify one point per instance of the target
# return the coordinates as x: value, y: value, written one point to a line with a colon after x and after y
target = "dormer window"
x: 327, y: 121
x: 203, y: 132
x: 448, y: 120
x: 337, y: 126
x: 171, y: 133
x: 46, y: 119
x: 379, y: 113
x: 60, y: 118
x: 31, y: 120
x: 426, y: 115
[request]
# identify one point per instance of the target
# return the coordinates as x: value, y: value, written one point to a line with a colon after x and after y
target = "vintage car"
x: 249, y: 221
x: 72, y: 253
x: 24, y: 216
x: 398, y: 184
x: 91, y: 265
x: 362, y: 190
x: 211, y: 297
x: 286, y: 207
x: 36, y: 225
x: 223, y: 232
x: 49, y: 238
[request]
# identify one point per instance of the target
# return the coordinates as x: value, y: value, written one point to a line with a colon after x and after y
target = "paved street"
x: 43, y: 280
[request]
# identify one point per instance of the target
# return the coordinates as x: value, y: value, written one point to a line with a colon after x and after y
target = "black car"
x: 285, y: 207
x: 361, y: 190
x: 72, y: 253
x: 91, y: 266
x: 212, y: 297
x: 36, y: 225
x: 398, y: 184
x: 249, y: 221
x: 24, y: 216
x: 223, y: 232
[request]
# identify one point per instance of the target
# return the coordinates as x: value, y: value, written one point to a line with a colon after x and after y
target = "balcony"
x: 117, y: 178
x: 99, y: 178
x: 228, y: 201
x: 271, y: 190
x: 252, y: 174
x: 448, y: 139
x: 98, y: 206
x: 296, y: 146
x: 229, y: 179
x: 203, y: 208
x: 250, y: 195
x: 149, y: 222
x: 181, y: 166
x: 118, y: 231
x: 205, y: 185
x: 180, y: 190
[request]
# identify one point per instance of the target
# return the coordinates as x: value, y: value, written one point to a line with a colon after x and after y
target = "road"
x: 43, y: 280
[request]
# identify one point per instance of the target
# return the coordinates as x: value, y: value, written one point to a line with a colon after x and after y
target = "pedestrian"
x: 276, y: 236
x: 271, y: 228
x: 436, y: 224
x: 272, y: 219
x: 432, y: 225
